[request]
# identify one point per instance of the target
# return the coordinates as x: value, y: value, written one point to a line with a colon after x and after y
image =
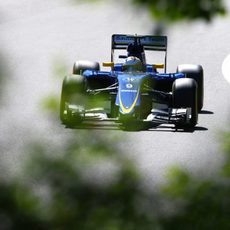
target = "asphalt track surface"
x: 36, y: 36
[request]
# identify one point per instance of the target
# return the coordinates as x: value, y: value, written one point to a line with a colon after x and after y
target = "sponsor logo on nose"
x: 129, y: 86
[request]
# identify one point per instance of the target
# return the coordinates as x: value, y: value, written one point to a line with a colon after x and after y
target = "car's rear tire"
x: 73, y: 88
x: 195, y: 72
x: 80, y: 66
x: 184, y: 95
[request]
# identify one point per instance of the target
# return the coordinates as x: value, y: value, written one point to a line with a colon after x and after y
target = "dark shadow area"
x: 200, y: 128
x: 119, y: 127
x: 197, y: 128
x: 100, y: 125
x: 96, y: 126
x: 206, y: 112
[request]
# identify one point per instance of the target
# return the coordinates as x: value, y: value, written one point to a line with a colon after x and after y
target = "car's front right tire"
x: 73, y: 89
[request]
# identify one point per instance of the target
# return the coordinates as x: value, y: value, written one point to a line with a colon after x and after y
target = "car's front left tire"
x: 195, y: 72
x: 184, y: 95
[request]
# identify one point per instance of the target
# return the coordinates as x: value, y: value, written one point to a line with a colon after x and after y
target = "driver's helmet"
x: 132, y: 64
x: 135, y: 49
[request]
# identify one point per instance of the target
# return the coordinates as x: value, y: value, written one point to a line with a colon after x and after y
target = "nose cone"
x: 128, y: 96
x: 128, y: 99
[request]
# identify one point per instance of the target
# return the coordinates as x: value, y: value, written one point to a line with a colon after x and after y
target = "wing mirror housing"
x: 108, y: 64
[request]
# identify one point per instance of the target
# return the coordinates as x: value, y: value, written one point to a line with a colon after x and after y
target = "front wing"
x: 177, y: 116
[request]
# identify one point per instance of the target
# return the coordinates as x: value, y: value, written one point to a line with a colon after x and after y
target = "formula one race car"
x: 133, y: 92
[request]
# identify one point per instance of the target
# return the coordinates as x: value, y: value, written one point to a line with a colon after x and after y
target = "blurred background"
x: 105, y: 178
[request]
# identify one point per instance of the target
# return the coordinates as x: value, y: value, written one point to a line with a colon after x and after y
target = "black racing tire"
x: 195, y: 72
x: 80, y: 66
x: 184, y: 95
x: 72, y: 86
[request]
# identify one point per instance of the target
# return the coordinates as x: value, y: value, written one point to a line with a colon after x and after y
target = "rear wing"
x: 121, y: 41
x: 149, y: 42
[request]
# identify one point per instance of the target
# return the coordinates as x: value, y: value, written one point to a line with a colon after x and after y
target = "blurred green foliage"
x: 50, y: 103
x: 66, y: 190
x: 61, y: 190
x: 169, y: 11
x: 177, y: 10
x: 226, y: 150
x: 18, y: 207
x: 204, y: 203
